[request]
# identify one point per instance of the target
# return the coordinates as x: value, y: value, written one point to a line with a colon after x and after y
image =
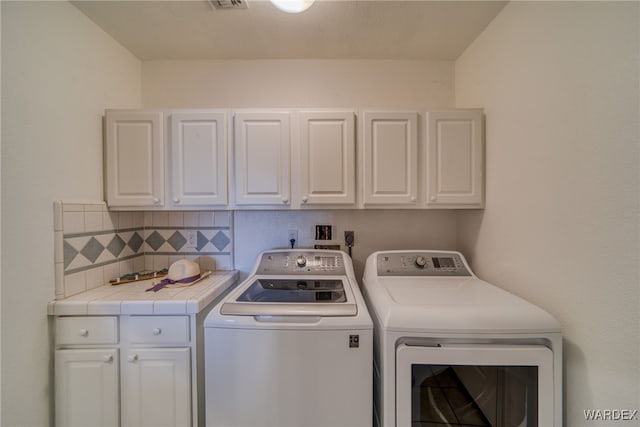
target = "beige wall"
x: 297, y: 83
x: 59, y: 72
x: 559, y: 84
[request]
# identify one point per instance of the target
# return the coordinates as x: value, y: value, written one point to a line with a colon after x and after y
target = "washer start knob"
x: 421, y: 261
x: 301, y: 261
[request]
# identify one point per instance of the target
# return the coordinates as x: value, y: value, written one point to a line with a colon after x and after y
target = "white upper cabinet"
x: 194, y: 172
x: 327, y: 158
x: 134, y: 158
x: 454, y: 159
x: 262, y: 158
x: 198, y: 156
x: 389, y: 158
x: 300, y: 159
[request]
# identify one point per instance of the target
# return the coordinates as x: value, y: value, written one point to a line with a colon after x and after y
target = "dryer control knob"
x: 301, y: 261
x: 421, y: 261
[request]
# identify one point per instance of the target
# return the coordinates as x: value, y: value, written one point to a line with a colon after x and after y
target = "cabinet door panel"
x: 199, y: 158
x: 157, y: 388
x: 135, y: 155
x: 390, y: 164
x: 262, y: 158
x: 455, y: 159
x: 86, y: 388
x: 327, y: 158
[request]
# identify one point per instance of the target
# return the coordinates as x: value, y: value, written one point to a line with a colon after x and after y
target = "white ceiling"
x: 330, y: 29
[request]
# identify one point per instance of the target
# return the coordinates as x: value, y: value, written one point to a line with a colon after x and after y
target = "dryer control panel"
x: 421, y: 263
x: 302, y: 262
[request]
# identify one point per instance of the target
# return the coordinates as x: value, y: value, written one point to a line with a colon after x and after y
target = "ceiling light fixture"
x: 293, y: 6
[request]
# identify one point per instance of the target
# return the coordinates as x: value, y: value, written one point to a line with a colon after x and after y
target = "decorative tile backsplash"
x: 94, y: 245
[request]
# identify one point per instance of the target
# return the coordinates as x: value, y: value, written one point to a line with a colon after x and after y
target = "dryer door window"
x: 475, y: 385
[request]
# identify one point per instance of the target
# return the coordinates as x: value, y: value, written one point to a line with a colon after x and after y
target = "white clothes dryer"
x: 451, y: 349
x: 291, y: 346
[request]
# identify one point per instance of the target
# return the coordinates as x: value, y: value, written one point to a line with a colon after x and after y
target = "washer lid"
x: 303, y: 296
x: 449, y: 304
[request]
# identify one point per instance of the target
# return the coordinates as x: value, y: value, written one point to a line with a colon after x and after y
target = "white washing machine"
x: 451, y: 349
x: 292, y: 345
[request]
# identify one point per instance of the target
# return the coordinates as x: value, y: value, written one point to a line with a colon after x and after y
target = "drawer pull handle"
x: 84, y: 332
x: 108, y: 358
x: 133, y: 357
x: 157, y: 331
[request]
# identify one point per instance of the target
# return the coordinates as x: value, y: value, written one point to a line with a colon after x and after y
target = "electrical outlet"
x: 292, y: 235
x: 349, y: 238
x: 192, y: 239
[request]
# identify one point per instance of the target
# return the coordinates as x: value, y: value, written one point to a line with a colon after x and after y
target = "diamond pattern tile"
x: 135, y: 242
x: 105, y: 248
x: 92, y: 249
x: 177, y: 240
x: 220, y: 240
x: 202, y: 241
x: 116, y: 245
x: 155, y: 240
x: 69, y: 253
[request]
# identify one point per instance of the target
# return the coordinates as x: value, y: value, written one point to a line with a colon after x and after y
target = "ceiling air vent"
x: 229, y: 4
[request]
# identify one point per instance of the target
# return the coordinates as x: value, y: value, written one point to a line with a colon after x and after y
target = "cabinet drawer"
x: 158, y: 329
x: 86, y: 330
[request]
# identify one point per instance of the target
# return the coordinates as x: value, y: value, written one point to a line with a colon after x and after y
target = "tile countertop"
x: 132, y: 298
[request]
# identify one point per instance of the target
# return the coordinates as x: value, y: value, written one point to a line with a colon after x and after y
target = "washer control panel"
x: 421, y: 263
x: 302, y: 262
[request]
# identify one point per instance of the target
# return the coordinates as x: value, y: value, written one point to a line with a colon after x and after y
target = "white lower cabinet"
x: 145, y: 375
x: 86, y: 387
x: 156, y: 387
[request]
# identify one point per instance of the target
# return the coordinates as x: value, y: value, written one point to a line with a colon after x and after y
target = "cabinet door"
x: 156, y: 387
x: 390, y: 166
x: 262, y: 158
x: 86, y: 388
x: 454, y: 159
x: 198, y: 158
x: 134, y: 158
x: 327, y: 158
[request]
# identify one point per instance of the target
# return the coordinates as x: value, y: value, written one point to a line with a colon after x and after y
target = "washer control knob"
x: 301, y: 261
x: 421, y: 261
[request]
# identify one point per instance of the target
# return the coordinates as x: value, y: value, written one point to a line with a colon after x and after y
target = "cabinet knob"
x: 305, y: 199
x: 108, y: 358
x: 433, y: 198
x: 84, y: 332
x: 156, y: 200
x: 133, y: 357
x: 157, y: 331
x: 413, y: 199
x: 176, y: 200
x: 285, y: 200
